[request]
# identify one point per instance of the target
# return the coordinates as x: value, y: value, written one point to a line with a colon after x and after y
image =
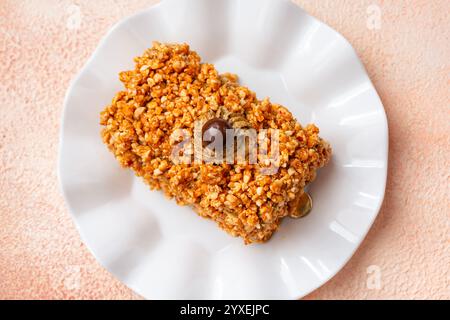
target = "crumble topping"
x: 170, y: 88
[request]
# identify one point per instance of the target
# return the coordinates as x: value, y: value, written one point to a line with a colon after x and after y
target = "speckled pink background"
x: 408, y: 59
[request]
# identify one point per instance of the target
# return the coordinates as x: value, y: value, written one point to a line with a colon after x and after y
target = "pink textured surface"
x: 41, y: 254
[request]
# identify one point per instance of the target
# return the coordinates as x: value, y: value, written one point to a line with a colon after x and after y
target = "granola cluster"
x: 170, y: 89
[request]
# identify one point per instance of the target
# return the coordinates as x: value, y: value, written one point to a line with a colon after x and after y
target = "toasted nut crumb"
x: 170, y: 88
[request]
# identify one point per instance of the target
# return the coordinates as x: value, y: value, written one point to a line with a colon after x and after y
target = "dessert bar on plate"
x: 172, y: 122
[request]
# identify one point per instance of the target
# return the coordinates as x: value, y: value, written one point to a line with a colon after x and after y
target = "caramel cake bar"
x: 170, y: 99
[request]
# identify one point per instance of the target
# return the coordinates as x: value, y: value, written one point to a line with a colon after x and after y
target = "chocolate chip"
x: 211, y: 130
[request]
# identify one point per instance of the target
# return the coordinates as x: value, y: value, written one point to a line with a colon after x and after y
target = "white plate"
x: 162, y: 250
